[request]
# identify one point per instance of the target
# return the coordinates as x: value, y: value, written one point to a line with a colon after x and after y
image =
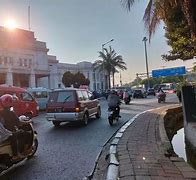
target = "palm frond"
x: 127, y: 4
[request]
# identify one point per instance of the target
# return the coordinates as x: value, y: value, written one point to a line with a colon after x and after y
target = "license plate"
x: 109, y: 113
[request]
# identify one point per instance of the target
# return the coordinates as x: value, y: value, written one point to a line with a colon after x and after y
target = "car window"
x: 80, y: 96
x: 26, y: 97
x: 65, y: 96
x: 85, y: 95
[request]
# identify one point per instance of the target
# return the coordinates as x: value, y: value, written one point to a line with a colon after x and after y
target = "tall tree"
x: 110, y: 62
x: 178, y: 36
x: 158, y: 10
x: 179, y: 17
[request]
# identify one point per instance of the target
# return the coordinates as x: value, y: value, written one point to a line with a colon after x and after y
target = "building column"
x: 9, y: 77
x: 32, y: 79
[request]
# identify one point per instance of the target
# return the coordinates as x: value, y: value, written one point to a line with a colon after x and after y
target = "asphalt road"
x: 69, y: 152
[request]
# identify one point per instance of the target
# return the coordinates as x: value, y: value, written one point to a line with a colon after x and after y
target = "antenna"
x: 29, y: 14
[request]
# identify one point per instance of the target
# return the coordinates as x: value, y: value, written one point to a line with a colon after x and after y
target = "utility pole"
x: 145, y: 39
x: 29, y: 17
x: 105, y: 76
x: 120, y: 79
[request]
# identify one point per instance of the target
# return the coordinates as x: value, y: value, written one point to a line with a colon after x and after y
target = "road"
x: 69, y: 152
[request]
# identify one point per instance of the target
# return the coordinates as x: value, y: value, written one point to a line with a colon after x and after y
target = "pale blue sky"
x: 74, y: 30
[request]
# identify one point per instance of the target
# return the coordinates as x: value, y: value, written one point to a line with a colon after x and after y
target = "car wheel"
x: 56, y: 123
x: 98, y: 115
x: 85, y: 119
x: 110, y: 119
x: 34, y: 148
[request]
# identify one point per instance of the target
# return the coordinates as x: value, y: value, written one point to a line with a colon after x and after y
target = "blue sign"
x: 169, y: 72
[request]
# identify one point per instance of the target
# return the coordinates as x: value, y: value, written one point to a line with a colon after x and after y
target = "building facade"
x: 24, y: 62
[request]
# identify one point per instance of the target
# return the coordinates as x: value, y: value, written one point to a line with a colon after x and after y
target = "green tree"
x: 67, y: 79
x: 80, y: 79
x: 76, y: 79
x: 110, y: 62
x: 179, y: 37
x: 168, y: 79
x: 180, y: 24
x: 158, y: 10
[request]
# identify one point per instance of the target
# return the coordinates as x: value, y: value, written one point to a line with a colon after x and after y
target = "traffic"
x: 63, y: 105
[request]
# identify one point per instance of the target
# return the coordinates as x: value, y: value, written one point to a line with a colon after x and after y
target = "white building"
x: 24, y: 62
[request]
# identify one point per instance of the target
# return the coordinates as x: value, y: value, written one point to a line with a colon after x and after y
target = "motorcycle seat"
x: 5, y: 143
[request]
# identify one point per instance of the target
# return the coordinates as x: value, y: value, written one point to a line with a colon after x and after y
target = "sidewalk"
x: 140, y: 152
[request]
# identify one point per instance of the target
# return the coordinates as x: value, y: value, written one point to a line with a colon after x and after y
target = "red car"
x: 26, y: 103
x: 71, y: 104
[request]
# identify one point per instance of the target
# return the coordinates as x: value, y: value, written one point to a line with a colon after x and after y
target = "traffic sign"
x: 169, y: 72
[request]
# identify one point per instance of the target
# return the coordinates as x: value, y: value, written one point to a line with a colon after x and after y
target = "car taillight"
x: 77, y: 109
x: 37, y: 108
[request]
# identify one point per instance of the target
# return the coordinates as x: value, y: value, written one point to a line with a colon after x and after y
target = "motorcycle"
x: 127, y: 100
x: 6, y: 153
x: 113, y: 115
x: 161, y: 97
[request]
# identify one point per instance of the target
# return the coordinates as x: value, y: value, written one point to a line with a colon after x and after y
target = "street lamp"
x: 145, y: 39
x: 102, y: 46
x: 106, y: 43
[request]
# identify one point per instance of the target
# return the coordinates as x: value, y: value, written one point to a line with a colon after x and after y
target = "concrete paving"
x: 141, y: 153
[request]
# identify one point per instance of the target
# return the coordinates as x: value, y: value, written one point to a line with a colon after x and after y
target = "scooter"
x: 6, y: 153
x: 112, y: 115
x: 161, y: 97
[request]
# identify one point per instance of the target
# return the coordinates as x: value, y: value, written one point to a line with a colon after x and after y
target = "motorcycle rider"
x: 12, y: 123
x: 160, y: 90
x: 126, y: 95
x: 114, y: 101
x: 161, y: 94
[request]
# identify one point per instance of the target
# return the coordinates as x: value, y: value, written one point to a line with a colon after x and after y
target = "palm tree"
x: 158, y: 10
x: 110, y: 62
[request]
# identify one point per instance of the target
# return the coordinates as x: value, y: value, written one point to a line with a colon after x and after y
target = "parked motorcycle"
x: 6, y: 153
x: 113, y: 115
x: 161, y: 97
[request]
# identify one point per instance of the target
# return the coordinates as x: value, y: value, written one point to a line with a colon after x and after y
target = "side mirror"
x: 92, y: 97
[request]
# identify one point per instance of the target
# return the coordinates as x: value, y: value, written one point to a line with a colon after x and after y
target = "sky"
x: 75, y: 30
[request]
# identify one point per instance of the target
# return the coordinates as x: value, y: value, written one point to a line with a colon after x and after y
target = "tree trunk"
x: 113, y: 79
x: 189, y: 8
x: 109, y: 82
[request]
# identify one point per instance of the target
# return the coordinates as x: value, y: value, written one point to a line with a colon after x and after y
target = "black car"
x: 151, y: 91
x: 139, y: 93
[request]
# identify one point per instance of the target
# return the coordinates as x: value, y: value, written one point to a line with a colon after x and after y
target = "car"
x: 41, y: 94
x: 26, y: 104
x: 151, y: 91
x: 71, y: 104
x: 139, y: 93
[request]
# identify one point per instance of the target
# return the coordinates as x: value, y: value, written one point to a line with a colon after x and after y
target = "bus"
x: 41, y: 94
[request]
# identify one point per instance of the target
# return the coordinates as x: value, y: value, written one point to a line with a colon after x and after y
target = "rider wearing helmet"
x: 114, y: 101
x: 12, y: 123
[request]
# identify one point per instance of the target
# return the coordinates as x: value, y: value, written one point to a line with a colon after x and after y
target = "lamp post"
x: 106, y: 43
x: 105, y: 78
x: 145, y: 39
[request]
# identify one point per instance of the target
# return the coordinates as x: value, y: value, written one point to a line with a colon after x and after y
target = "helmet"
x: 23, y: 118
x: 114, y: 92
x: 6, y: 100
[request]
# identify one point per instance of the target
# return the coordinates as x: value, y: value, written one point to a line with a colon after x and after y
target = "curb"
x: 112, y: 172
x: 113, y: 167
